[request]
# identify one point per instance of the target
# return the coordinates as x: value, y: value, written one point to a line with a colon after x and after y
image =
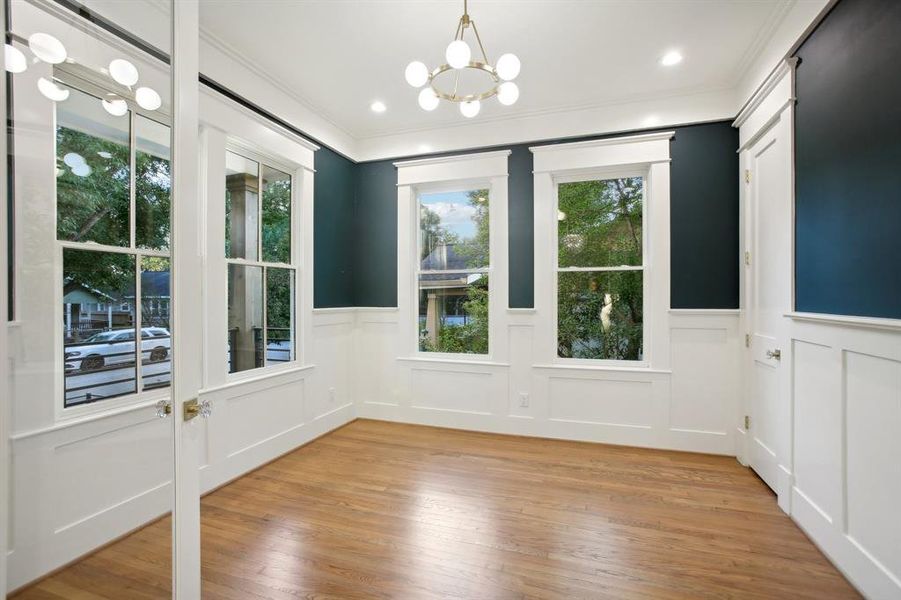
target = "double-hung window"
x: 600, y: 268
x: 261, y: 266
x: 453, y: 262
x: 112, y: 226
x: 602, y: 255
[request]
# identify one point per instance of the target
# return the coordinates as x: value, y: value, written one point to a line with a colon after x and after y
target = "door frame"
x: 772, y: 105
x: 5, y: 399
x: 187, y: 309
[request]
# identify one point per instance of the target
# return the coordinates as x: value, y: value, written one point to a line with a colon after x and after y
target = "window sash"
x: 136, y: 253
x: 643, y: 267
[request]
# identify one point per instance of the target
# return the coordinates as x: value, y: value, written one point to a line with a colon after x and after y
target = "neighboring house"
x: 444, y: 292
x: 88, y: 310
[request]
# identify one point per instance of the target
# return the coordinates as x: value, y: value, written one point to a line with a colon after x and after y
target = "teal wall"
x: 848, y: 163
x: 333, y: 230
x: 704, y: 223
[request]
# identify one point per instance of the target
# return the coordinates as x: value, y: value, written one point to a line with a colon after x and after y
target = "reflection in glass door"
x: 90, y: 324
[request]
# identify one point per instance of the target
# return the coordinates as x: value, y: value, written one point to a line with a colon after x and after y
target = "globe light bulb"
x: 458, y: 54
x: 147, y: 98
x: 47, y: 48
x: 14, y: 59
x: 428, y: 100
x: 82, y: 170
x: 115, y: 106
x: 123, y: 72
x: 470, y: 109
x: 417, y: 74
x: 507, y: 93
x: 51, y: 91
x: 508, y: 67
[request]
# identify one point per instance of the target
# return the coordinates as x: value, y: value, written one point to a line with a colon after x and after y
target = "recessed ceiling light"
x: 378, y: 106
x: 671, y: 58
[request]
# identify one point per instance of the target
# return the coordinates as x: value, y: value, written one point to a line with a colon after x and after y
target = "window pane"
x: 98, y: 325
x: 276, y: 215
x: 156, y: 342
x: 599, y: 315
x: 453, y: 313
x: 245, y: 317
x: 242, y: 191
x: 453, y: 230
x: 279, y: 315
x: 599, y: 223
x: 92, y: 172
x: 152, y: 184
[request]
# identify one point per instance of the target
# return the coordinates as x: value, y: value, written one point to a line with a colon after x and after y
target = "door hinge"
x: 747, y: 258
x: 747, y: 340
x: 747, y: 175
x: 747, y: 422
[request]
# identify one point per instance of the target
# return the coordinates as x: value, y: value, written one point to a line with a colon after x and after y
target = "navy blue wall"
x: 848, y: 163
x: 333, y: 218
x: 704, y: 222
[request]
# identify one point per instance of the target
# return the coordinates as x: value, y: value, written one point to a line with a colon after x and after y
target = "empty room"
x: 450, y: 299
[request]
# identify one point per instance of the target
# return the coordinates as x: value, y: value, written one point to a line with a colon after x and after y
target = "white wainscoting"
x: 78, y: 486
x: 846, y: 490
x: 692, y: 406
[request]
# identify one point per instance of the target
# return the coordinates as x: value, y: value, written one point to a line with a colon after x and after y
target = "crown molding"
x: 614, y: 141
x: 786, y: 67
x: 440, y: 160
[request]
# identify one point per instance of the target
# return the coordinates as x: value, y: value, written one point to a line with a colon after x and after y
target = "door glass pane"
x: 276, y: 215
x: 242, y: 210
x: 156, y: 337
x: 91, y: 459
x: 92, y: 170
x: 99, y: 323
x: 152, y: 183
x: 245, y: 317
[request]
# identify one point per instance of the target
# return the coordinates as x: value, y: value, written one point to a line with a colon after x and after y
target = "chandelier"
x: 459, y: 57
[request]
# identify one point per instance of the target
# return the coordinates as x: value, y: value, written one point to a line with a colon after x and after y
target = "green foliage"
x: 277, y: 220
x: 95, y: 208
x: 278, y: 303
x: 470, y: 337
x: 599, y: 314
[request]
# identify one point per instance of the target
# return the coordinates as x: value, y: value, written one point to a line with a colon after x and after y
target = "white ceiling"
x: 338, y: 56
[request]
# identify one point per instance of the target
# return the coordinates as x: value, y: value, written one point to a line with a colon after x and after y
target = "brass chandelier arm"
x: 479, y: 40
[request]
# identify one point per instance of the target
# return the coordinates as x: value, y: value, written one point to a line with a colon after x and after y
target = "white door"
x: 768, y: 263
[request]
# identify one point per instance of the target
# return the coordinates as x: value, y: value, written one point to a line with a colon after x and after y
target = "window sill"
x: 847, y: 321
x: 97, y: 415
x: 452, y: 361
x: 264, y: 377
x: 602, y: 368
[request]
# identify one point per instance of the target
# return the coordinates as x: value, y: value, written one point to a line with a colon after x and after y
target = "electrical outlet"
x: 332, y: 393
x: 524, y: 399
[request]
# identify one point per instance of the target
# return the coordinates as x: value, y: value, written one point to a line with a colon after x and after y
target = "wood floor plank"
x: 386, y: 510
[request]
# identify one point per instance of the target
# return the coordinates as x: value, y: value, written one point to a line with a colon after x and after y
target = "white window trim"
x: 647, y: 156
x: 227, y: 126
x: 452, y: 173
x: 89, y: 83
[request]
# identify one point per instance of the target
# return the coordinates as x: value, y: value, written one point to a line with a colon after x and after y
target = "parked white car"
x: 117, y: 347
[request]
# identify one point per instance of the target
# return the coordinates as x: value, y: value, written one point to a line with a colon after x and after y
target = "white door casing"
x: 766, y: 159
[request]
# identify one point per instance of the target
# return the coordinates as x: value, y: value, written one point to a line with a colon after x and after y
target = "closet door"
x: 91, y: 334
x: 768, y: 264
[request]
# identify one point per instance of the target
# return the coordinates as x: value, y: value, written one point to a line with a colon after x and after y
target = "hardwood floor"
x: 382, y: 510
